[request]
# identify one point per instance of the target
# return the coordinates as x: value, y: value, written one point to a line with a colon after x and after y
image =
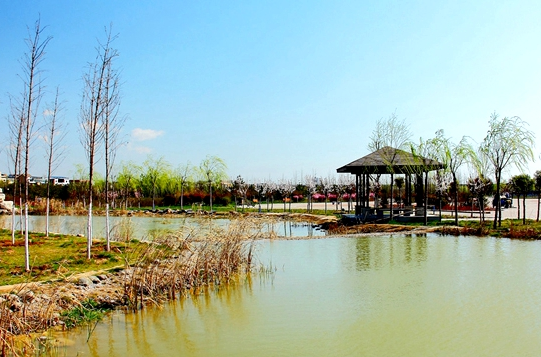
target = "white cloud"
x: 139, y: 134
x: 142, y: 149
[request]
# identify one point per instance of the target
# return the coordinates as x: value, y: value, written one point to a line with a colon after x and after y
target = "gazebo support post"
x: 419, y: 194
x: 356, y: 192
x: 391, y: 200
x: 366, y: 193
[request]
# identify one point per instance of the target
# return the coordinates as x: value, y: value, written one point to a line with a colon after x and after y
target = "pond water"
x: 370, y: 296
x: 148, y: 227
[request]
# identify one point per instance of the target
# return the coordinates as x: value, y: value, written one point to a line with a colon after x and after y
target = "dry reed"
x: 190, y: 259
x: 164, y: 269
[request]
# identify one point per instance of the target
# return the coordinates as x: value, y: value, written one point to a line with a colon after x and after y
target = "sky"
x: 280, y: 89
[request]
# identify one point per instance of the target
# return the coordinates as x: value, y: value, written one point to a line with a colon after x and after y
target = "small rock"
x: 27, y: 296
x: 16, y: 305
x: 94, y: 279
x: 84, y: 281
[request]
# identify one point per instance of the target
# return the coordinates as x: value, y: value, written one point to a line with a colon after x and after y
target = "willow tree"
x: 453, y: 156
x: 508, y: 142
x: 153, y: 177
x: 425, y: 149
x: 212, y: 170
x: 94, y: 108
x: 126, y: 180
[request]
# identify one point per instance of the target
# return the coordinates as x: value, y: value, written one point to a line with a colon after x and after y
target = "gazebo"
x: 391, y: 161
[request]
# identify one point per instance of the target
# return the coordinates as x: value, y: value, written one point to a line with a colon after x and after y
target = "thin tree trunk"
x: 518, y: 206
x: 391, y: 200
x: 47, y: 216
x: 107, y: 227
x: 26, y: 240
x: 210, y: 185
x: 21, y: 215
x: 524, y: 208
x: 455, y: 181
x: 426, y: 199
x: 13, y: 222
x: 538, y: 203
x: 497, y: 212
x: 182, y: 197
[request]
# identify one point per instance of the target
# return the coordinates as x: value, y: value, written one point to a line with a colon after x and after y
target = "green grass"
x: 89, y: 311
x: 56, y: 257
x: 510, y: 228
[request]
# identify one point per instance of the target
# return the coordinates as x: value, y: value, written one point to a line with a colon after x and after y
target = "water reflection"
x: 126, y: 228
x: 374, y: 296
x: 374, y: 252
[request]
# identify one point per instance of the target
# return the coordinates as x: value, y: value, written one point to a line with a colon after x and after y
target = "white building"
x: 60, y: 180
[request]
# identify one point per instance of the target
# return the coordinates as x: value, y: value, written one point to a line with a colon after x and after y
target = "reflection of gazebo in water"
x: 390, y: 161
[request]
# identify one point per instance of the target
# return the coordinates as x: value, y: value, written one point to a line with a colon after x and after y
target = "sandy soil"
x: 531, y: 208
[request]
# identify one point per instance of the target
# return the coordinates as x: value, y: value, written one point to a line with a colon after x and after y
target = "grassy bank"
x: 55, y: 257
x: 510, y: 228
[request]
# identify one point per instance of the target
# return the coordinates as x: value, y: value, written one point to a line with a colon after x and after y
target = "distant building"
x: 60, y: 180
x: 37, y: 180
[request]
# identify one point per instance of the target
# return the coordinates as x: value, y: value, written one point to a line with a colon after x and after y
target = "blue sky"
x: 283, y: 88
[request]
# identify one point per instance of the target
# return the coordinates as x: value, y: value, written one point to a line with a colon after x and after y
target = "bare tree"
x: 391, y: 132
x: 310, y: 184
x: 182, y: 178
x: 325, y: 185
x: 286, y: 188
x: 25, y: 111
x: 54, y: 150
x: 268, y: 190
x: 16, y: 125
x: 112, y: 125
x: 260, y: 189
x: 480, y: 187
x: 93, y: 109
x: 508, y: 142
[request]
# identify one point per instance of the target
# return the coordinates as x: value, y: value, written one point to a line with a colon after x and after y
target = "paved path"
x: 531, y: 208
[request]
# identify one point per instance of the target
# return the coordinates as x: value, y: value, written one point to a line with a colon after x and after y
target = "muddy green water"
x: 148, y: 227
x: 378, y: 296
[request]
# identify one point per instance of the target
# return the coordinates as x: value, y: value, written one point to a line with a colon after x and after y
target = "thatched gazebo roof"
x: 388, y: 160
